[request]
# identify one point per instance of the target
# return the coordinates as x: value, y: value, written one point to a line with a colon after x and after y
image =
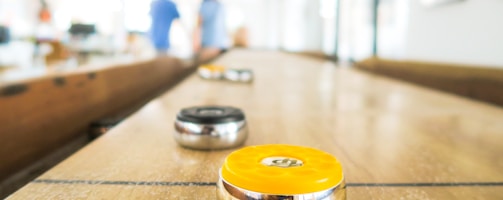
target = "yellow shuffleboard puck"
x: 281, y: 172
x: 211, y: 71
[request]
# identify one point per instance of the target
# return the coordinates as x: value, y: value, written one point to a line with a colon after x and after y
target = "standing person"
x: 211, y: 34
x: 163, y: 13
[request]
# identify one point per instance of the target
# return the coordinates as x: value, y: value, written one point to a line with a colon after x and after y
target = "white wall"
x: 254, y: 14
x: 294, y: 25
x: 313, y: 26
x: 393, y: 24
x: 355, y: 34
x: 469, y: 32
x: 20, y: 16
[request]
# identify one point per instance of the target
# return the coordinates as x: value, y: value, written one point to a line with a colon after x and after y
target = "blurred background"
x: 451, y: 45
x: 76, y: 32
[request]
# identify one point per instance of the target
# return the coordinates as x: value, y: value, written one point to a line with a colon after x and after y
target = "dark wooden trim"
x: 13, y: 90
x: 482, y: 83
x: 313, y: 54
x: 41, y: 115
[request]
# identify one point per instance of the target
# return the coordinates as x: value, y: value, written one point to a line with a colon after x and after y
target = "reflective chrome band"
x: 210, y: 136
x: 226, y: 191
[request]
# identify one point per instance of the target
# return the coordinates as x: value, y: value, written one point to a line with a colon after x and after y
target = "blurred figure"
x: 163, y: 13
x: 211, y: 36
x: 49, y: 49
x: 241, y: 37
x: 45, y: 31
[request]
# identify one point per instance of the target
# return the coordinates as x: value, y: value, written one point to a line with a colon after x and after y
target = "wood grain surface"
x: 395, y: 140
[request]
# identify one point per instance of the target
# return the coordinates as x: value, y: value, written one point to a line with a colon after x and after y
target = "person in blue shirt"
x: 211, y: 33
x: 163, y: 13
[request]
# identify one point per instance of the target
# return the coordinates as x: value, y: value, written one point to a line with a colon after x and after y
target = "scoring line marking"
x: 149, y: 183
x: 163, y: 183
x: 445, y: 184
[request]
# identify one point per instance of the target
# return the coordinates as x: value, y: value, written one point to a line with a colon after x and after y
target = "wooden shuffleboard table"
x: 395, y: 140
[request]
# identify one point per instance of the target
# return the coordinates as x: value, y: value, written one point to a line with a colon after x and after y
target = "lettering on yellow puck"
x: 284, y: 162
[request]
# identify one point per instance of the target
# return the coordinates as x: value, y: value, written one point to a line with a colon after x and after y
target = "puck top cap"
x: 210, y: 115
x: 213, y: 68
x: 282, y: 169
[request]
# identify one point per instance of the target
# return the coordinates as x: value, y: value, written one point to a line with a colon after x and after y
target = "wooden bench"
x: 40, y: 115
x: 482, y: 83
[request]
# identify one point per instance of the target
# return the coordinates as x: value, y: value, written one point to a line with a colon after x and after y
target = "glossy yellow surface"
x: 245, y: 169
x: 213, y: 68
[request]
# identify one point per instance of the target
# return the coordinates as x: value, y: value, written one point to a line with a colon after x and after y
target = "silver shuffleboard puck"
x: 210, y: 127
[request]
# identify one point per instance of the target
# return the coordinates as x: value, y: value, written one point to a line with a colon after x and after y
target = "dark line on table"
x: 445, y: 184
x: 147, y: 183
x: 163, y: 183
